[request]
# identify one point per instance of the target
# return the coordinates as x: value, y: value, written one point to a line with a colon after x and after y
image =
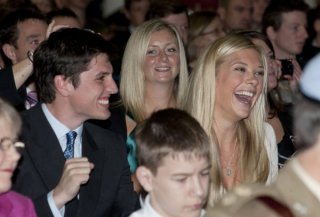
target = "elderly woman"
x: 227, y: 95
x: 12, y: 204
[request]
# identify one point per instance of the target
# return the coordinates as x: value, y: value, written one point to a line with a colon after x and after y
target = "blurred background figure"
x: 63, y: 17
x: 258, y: 8
x: 11, y: 203
x: 173, y: 12
x: 45, y: 6
x: 204, y: 28
x: 285, y: 24
x: 235, y: 14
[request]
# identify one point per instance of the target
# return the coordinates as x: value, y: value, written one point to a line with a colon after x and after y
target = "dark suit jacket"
x: 109, y: 191
x: 8, y: 90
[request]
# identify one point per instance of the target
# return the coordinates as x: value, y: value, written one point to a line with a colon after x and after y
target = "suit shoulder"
x: 102, y: 133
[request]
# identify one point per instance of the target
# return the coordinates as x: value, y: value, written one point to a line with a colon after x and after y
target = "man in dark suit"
x: 71, y: 167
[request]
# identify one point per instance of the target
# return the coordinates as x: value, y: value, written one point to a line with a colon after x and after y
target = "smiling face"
x: 90, y: 100
x: 162, y: 61
x: 180, y: 186
x: 239, y: 82
x: 8, y: 158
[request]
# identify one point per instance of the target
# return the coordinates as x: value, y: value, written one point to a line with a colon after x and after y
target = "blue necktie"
x: 69, y: 151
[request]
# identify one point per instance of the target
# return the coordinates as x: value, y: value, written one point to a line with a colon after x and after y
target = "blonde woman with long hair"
x: 154, y: 75
x: 227, y: 96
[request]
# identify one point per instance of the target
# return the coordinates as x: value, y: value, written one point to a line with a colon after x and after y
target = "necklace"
x: 228, y: 168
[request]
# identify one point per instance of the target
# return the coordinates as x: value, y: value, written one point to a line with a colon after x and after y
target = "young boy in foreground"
x: 174, y: 158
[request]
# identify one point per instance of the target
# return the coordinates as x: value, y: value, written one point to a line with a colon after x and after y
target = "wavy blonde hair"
x: 253, y: 161
x: 132, y: 75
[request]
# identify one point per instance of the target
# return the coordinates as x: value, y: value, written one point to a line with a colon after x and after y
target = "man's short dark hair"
x: 67, y: 52
x: 273, y: 13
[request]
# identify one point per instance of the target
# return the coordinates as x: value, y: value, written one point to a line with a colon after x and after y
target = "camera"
x: 286, y: 67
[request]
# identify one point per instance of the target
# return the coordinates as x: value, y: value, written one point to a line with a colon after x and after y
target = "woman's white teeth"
x: 245, y: 93
x: 162, y: 68
x: 104, y: 102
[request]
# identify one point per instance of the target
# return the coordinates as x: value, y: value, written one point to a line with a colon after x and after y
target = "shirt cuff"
x: 55, y: 211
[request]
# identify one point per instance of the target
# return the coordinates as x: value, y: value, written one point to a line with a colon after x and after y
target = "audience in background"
x: 204, y: 28
x: 235, y: 14
x: 227, y: 96
x: 21, y: 31
x: 173, y: 12
x: 258, y: 8
x: 63, y: 17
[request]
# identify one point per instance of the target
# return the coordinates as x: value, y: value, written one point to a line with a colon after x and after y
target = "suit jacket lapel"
x: 90, y: 192
x: 45, y: 150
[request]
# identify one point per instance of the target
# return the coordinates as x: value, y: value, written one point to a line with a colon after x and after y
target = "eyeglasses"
x: 7, y: 143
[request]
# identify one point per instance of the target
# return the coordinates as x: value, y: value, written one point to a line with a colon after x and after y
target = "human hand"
x: 295, y: 77
x: 76, y: 172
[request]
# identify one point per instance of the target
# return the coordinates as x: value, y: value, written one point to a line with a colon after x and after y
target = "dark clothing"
x: 109, y: 191
x: 8, y: 90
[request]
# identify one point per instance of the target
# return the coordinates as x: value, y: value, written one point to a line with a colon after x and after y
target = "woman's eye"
x: 260, y: 73
x: 240, y: 69
x: 151, y: 52
x: 173, y: 49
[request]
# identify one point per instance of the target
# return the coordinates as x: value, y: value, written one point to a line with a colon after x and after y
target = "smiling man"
x: 71, y: 167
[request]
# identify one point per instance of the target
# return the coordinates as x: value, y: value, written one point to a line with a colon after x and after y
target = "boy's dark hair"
x: 273, y: 13
x: 67, y: 52
x: 162, y: 8
x: 170, y: 132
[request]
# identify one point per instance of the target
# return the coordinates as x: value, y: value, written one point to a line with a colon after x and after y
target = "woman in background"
x: 154, y: 76
x: 12, y: 204
x: 205, y: 27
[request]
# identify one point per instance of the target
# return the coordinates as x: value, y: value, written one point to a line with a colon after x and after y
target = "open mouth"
x: 244, y: 96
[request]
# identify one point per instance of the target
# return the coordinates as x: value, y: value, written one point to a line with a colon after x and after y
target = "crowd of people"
x: 159, y: 109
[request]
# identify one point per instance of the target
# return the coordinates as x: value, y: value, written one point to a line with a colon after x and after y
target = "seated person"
x: 12, y: 204
x: 174, y: 163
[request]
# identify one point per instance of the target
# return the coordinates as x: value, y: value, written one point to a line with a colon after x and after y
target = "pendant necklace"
x: 228, y: 168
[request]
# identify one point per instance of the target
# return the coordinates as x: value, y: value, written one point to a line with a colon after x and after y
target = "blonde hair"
x: 253, y: 162
x: 132, y: 74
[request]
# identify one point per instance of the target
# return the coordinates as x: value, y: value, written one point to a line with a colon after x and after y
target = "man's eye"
x: 100, y: 78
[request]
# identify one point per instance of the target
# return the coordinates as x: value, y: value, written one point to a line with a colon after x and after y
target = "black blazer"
x: 109, y: 191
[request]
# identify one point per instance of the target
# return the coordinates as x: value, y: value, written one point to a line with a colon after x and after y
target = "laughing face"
x: 162, y: 61
x: 90, y: 100
x: 239, y: 83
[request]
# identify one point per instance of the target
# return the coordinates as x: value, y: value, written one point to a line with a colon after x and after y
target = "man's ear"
x: 62, y: 85
x: 9, y: 51
x: 271, y: 34
x: 145, y: 176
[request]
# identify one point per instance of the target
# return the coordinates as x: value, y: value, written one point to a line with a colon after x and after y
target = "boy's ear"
x: 144, y: 176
